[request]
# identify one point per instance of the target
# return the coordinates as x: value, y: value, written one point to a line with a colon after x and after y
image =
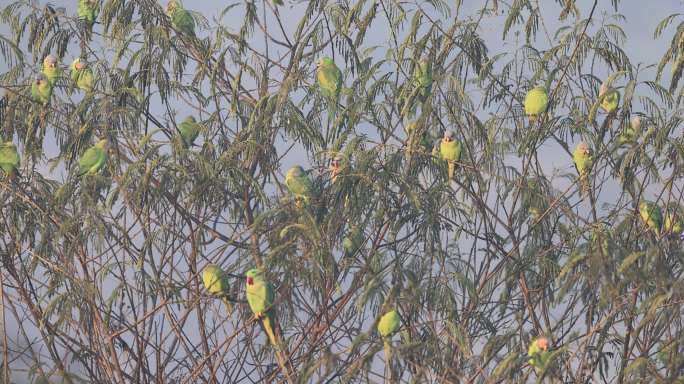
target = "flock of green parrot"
x: 259, y: 292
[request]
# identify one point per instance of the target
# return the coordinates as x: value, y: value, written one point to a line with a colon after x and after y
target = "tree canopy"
x: 339, y: 191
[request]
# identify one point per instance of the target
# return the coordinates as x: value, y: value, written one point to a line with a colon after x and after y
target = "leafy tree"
x: 171, y: 154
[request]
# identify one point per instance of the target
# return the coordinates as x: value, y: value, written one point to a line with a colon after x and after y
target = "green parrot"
x: 335, y: 167
x: 51, y: 69
x: 181, y: 19
x: 94, y: 158
x: 81, y: 75
x: 189, y: 129
x: 536, y: 102
x: 450, y: 151
x: 353, y: 241
x: 583, y: 159
x: 298, y: 183
x: 278, y: 2
x: 329, y: 78
x: 673, y: 222
x: 41, y: 90
x: 651, y: 215
x: 539, y: 354
x: 389, y: 324
x: 88, y: 11
x: 611, y: 100
x: 9, y: 158
x: 260, y: 295
x: 216, y: 282
x: 422, y: 77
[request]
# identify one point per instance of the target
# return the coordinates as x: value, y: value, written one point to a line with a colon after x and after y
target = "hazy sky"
x: 641, y: 20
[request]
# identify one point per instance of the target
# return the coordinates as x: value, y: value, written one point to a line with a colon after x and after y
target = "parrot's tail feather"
x: 452, y: 168
x: 533, y: 119
x: 584, y: 184
x: 282, y: 361
x: 229, y: 306
x: 388, y: 351
x: 268, y: 327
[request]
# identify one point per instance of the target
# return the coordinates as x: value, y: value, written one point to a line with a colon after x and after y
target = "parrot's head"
x: 103, y: 144
x: 253, y: 275
x: 604, y: 88
x: 296, y: 171
x: 50, y: 61
x: 542, y: 343
x: 540, y: 88
x: 635, y: 123
x: 40, y: 80
x: 324, y: 62
x: 78, y: 64
x: 190, y: 119
x: 584, y: 149
x: 449, y: 136
x: 171, y: 6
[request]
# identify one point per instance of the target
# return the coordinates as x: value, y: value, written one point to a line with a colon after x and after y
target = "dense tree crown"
x: 339, y: 191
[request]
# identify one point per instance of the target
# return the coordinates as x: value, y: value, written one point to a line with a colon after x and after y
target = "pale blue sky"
x: 641, y: 19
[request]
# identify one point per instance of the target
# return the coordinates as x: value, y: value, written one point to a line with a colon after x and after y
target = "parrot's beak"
x: 447, y: 139
x: 250, y: 281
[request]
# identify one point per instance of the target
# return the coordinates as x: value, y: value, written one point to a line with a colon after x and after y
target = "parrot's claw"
x: 259, y: 316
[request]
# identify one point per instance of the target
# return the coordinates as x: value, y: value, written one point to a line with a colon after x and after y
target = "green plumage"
x: 82, y: 75
x: 88, y: 10
x: 189, y: 129
x: 422, y: 77
x: 651, y: 215
x: 260, y: 295
x: 93, y: 159
x: 181, y: 19
x: 9, y: 158
x: 51, y: 69
x: 536, y: 102
x: 329, y: 78
x: 389, y: 324
x: 611, y: 100
x: 299, y: 184
x: 41, y: 90
x: 583, y: 159
x: 539, y: 354
x: 450, y: 151
x: 215, y: 280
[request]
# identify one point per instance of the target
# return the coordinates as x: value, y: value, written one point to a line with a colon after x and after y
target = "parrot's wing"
x: 88, y: 159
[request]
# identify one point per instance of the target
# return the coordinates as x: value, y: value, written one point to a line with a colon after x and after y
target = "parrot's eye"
x: 250, y: 281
